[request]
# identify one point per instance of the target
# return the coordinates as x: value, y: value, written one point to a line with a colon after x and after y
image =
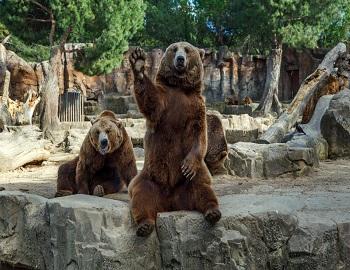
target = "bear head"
x: 106, y: 133
x: 181, y: 66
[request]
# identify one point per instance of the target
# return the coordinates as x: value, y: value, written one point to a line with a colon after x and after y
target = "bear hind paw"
x: 145, y: 229
x: 212, y: 215
x: 99, y: 191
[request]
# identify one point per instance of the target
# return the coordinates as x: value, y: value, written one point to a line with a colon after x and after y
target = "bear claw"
x: 99, y: 191
x: 213, y: 216
x: 145, y: 229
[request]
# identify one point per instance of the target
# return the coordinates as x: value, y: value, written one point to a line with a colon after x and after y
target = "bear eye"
x: 108, y: 131
x: 187, y: 50
x: 175, y: 49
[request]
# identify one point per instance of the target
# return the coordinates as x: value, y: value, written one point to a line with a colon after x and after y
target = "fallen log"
x: 311, y: 84
x: 22, y: 146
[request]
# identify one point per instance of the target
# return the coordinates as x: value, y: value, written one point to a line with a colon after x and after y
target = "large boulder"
x: 309, y: 135
x: 269, y: 160
x: 271, y: 231
x: 76, y: 232
x: 244, y: 128
x: 335, y: 125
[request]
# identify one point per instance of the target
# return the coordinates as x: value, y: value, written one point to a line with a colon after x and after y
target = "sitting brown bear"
x: 174, y: 176
x: 106, y: 160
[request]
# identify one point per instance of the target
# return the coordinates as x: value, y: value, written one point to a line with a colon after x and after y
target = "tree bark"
x: 270, y: 95
x: 49, y: 120
x: 311, y: 84
x: 5, y: 75
x: 49, y: 108
x: 21, y: 146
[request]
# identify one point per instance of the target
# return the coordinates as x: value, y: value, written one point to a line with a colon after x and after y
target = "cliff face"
x: 225, y: 74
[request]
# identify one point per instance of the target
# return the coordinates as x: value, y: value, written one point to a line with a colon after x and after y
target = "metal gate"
x: 71, y: 107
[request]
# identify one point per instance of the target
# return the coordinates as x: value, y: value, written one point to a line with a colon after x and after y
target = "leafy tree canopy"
x: 252, y: 26
x: 168, y: 21
x: 106, y: 24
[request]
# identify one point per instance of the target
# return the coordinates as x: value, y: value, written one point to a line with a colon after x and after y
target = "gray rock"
x: 236, y: 135
x: 292, y: 231
x: 257, y: 232
x: 75, y: 232
x: 270, y: 160
x: 335, y: 125
x: 238, y: 109
x: 116, y: 103
x: 92, y: 233
x: 24, y: 231
x: 310, y: 135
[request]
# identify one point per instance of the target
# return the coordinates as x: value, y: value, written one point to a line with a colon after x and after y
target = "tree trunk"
x: 49, y: 109
x: 309, y: 87
x: 270, y: 95
x: 5, y: 75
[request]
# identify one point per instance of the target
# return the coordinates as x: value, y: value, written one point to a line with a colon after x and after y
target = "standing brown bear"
x: 174, y: 176
x: 106, y: 160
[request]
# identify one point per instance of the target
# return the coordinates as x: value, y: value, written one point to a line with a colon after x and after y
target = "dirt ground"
x: 330, y: 176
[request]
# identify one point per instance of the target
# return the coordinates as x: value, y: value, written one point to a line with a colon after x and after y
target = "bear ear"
x: 118, y: 123
x: 107, y: 113
x: 201, y: 53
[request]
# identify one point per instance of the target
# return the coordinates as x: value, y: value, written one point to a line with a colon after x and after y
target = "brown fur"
x: 174, y: 176
x: 96, y: 173
x: 217, y: 146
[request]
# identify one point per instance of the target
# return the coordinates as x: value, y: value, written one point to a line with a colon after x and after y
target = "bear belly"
x: 163, y: 158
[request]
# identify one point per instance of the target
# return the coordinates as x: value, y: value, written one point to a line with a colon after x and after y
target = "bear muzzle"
x: 103, y: 143
x: 180, y: 61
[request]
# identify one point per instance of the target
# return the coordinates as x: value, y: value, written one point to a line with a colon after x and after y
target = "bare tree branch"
x: 39, y: 20
x: 52, y: 20
x: 5, y: 40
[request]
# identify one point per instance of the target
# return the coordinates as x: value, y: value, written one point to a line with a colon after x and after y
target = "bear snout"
x: 103, y: 143
x: 180, y: 61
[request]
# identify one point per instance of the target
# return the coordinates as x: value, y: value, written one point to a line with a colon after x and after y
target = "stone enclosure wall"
x: 225, y: 74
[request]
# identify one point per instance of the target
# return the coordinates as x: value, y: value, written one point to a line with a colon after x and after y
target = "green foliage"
x: 260, y: 24
x: 32, y: 53
x: 250, y: 26
x: 339, y: 29
x: 107, y: 24
x: 166, y: 22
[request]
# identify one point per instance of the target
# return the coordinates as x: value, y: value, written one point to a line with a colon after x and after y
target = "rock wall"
x: 272, y: 231
x: 225, y: 75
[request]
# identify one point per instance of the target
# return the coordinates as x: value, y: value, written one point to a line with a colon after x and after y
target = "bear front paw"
x: 137, y: 60
x: 190, y: 167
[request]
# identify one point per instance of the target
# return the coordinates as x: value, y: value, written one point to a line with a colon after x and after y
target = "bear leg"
x: 207, y: 203
x: 146, y: 202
